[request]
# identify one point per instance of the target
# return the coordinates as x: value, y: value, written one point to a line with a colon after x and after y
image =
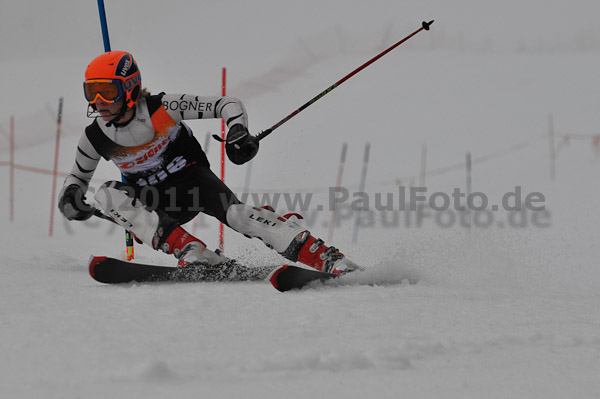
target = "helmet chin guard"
x: 92, y: 112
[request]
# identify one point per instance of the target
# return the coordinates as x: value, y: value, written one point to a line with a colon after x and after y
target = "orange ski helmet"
x: 112, y: 76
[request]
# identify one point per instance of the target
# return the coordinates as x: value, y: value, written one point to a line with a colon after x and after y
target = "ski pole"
x: 101, y: 215
x: 98, y: 213
x: 265, y: 133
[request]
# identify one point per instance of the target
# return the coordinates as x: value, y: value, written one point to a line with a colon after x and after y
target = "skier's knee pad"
x: 118, y: 201
x: 274, y: 230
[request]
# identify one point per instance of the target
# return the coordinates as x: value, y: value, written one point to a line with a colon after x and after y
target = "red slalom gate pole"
x: 361, y: 189
x: 55, y: 172
x: 338, y: 184
x: 223, y: 93
x: 11, y: 189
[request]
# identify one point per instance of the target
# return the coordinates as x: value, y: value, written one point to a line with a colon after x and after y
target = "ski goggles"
x: 109, y: 90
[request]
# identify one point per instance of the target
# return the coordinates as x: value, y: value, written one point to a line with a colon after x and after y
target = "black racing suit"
x: 159, y: 157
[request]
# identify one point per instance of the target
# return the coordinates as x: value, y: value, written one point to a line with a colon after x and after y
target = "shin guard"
x: 151, y: 226
x: 275, y: 231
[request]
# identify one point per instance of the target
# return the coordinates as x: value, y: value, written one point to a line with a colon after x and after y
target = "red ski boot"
x: 188, y: 249
x: 313, y: 252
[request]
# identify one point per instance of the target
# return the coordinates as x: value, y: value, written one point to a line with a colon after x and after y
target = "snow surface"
x: 497, y: 312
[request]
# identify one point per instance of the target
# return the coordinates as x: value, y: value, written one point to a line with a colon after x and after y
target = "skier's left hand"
x: 241, y: 146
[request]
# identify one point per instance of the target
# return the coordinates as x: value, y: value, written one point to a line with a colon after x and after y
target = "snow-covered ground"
x: 507, y: 310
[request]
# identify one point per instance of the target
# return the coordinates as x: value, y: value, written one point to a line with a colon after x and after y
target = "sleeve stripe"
x: 226, y: 104
x: 233, y: 118
x: 81, y: 169
x: 217, y: 106
x: 85, y: 183
x: 86, y: 155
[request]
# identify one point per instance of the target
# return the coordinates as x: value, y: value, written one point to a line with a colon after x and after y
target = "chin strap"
x: 118, y: 116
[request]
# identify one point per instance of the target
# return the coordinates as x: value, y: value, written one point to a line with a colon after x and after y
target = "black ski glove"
x: 72, y: 204
x: 241, y: 146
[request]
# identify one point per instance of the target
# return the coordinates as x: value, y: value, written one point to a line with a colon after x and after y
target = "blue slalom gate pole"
x: 104, y: 25
x: 106, y: 39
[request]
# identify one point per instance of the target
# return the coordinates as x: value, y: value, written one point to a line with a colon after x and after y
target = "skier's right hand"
x: 72, y: 204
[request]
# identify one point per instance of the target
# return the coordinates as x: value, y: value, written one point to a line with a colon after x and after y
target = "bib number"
x: 174, y: 166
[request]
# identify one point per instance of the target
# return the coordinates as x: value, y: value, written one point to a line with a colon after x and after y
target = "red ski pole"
x: 265, y: 133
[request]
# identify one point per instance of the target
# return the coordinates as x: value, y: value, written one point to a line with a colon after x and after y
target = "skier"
x: 168, y: 180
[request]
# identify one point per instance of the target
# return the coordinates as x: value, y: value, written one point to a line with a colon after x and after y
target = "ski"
x: 288, y: 277
x: 115, y: 271
x: 109, y: 270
